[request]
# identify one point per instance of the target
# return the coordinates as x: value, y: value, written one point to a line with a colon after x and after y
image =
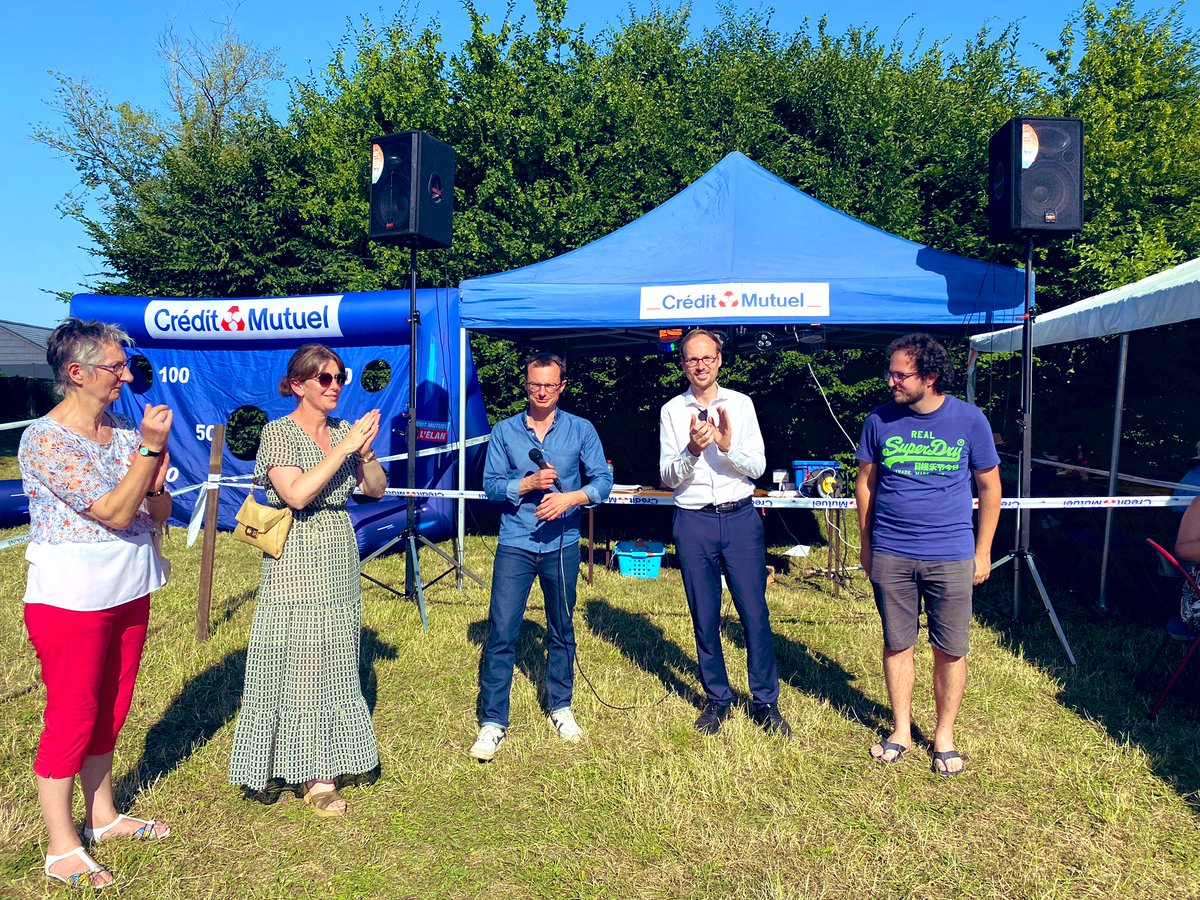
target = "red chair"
x: 1176, y: 630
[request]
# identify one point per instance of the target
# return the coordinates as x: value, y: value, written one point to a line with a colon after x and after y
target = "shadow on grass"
x: 530, y: 660
x: 822, y: 677
x: 227, y: 610
x: 646, y: 645
x: 206, y: 704
x: 1104, y: 686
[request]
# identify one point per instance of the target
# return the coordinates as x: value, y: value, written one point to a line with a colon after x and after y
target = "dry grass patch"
x: 1067, y: 792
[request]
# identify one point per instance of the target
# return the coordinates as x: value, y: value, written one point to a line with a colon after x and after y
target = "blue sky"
x: 112, y: 44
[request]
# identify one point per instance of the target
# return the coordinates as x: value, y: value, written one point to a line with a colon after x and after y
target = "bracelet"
x: 158, y: 493
x: 370, y: 458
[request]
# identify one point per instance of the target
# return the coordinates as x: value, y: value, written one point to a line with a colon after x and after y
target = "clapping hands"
x: 361, y: 434
x: 714, y: 428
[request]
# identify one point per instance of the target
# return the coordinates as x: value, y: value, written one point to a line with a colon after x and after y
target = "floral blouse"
x: 64, y: 473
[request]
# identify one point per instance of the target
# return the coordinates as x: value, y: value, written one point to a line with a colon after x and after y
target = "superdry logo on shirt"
x: 923, y: 454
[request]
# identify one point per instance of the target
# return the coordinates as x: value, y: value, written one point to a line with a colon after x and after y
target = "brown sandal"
x: 322, y: 803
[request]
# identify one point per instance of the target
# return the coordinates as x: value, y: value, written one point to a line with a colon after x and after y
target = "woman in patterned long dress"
x: 304, y: 725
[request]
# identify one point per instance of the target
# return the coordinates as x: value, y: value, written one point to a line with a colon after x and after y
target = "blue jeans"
x: 512, y: 577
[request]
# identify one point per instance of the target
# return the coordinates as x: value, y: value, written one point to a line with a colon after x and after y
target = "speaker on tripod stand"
x: 1035, y: 187
x: 412, y: 204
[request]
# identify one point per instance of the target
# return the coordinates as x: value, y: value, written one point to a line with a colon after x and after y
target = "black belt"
x: 731, y: 506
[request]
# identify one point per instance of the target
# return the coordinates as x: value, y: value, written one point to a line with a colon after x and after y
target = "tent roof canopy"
x: 1161, y: 299
x: 740, y: 248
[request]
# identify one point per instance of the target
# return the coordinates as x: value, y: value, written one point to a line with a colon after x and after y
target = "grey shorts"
x: 901, y: 584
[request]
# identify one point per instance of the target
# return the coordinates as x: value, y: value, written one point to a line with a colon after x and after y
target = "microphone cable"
x: 562, y: 590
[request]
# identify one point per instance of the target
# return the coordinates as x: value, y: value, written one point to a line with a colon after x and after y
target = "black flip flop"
x: 886, y: 746
x: 944, y: 756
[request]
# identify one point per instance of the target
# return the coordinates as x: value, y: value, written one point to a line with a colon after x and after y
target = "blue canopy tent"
x: 220, y: 361
x: 739, y: 248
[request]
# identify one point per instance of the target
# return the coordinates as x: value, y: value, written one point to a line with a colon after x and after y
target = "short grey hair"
x: 77, y: 341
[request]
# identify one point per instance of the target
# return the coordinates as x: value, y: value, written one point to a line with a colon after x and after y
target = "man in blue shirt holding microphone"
x: 533, y: 468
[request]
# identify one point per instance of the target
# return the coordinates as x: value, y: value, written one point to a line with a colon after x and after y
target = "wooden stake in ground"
x: 209, y: 548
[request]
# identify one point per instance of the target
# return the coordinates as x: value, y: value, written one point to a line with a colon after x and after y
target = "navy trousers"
x: 706, y: 543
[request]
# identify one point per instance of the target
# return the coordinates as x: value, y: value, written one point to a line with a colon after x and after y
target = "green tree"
x: 561, y: 139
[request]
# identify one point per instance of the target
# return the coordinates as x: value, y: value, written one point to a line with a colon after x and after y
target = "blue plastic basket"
x: 639, y: 559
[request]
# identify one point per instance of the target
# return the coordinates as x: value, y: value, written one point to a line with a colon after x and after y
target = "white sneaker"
x: 489, y: 740
x: 568, y: 729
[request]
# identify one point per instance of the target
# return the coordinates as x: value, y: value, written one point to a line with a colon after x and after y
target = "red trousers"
x: 89, y: 665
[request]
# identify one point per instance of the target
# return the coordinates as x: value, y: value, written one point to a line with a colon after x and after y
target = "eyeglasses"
x: 692, y: 361
x: 535, y: 387
x: 116, y: 369
x: 325, y: 379
x: 898, y: 377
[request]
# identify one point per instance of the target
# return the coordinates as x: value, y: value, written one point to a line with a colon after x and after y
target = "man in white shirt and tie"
x: 710, y: 450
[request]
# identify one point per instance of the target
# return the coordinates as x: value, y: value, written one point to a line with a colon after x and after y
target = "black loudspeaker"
x: 1035, y: 178
x: 412, y: 190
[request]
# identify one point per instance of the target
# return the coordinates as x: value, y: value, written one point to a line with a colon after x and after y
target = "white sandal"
x: 78, y: 879
x: 145, y: 833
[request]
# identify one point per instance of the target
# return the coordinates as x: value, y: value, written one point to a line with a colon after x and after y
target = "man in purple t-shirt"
x: 917, y: 456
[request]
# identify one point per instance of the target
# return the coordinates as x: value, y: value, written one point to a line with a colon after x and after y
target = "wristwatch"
x: 158, y: 493
x: 146, y: 451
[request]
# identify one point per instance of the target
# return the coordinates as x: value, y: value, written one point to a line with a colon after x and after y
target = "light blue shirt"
x: 571, y: 444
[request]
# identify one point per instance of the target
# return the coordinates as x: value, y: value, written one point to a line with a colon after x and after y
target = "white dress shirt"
x: 712, y: 477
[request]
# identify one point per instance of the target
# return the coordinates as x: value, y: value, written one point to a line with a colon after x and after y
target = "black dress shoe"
x: 768, y: 717
x: 714, y: 714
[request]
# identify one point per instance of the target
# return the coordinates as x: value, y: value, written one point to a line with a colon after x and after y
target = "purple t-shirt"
x: 922, y: 503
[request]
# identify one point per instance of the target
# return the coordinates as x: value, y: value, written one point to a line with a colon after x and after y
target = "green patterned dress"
x: 303, y: 715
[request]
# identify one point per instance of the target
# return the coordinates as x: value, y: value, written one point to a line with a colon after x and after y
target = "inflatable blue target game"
x: 220, y: 361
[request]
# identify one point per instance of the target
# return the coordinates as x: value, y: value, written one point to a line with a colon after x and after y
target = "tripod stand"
x: 414, y: 586
x: 1022, y: 556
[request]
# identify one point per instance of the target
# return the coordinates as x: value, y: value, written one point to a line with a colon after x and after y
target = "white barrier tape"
x: 13, y: 541
x: 435, y: 492
x: 214, y: 482
x: 197, y: 519
x: 839, y: 502
x: 10, y: 425
x: 434, y: 451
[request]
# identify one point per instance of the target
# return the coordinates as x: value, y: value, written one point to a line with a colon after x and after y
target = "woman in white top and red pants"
x: 96, y: 496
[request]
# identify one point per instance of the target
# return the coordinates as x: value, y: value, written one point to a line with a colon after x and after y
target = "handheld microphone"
x: 535, y: 457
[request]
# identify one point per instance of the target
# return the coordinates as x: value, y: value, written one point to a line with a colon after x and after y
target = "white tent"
x: 1162, y: 299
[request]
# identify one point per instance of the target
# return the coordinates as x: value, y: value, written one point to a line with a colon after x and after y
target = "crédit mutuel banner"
x: 243, y: 319
x: 736, y: 300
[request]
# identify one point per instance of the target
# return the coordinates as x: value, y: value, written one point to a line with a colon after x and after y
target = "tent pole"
x: 461, y: 503
x: 1115, y: 459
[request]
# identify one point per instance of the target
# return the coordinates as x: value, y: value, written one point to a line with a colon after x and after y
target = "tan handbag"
x: 264, y: 527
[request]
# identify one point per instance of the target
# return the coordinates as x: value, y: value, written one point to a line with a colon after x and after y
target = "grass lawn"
x: 1067, y: 792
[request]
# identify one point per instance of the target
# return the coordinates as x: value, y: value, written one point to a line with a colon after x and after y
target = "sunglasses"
x: 325, y: 379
